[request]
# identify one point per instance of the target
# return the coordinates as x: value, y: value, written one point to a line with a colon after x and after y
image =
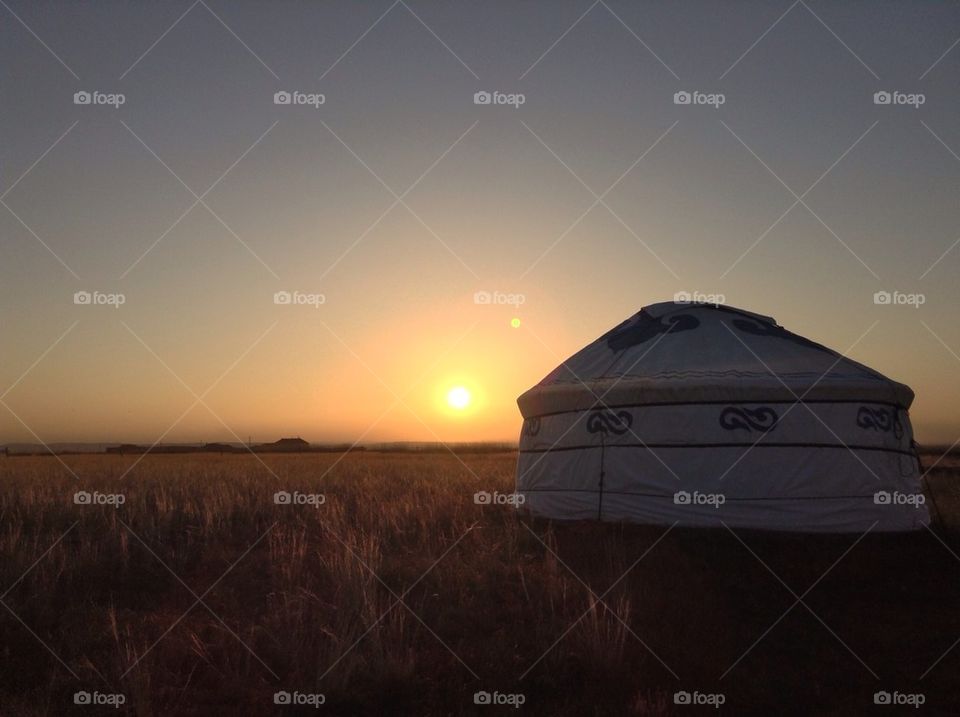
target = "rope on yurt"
x: 603, y: 450
x: 923, y: 478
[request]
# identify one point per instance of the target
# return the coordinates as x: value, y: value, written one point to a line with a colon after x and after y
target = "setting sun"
x: 458, y: 397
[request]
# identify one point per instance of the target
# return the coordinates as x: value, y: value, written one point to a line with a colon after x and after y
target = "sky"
x: 384, y: 197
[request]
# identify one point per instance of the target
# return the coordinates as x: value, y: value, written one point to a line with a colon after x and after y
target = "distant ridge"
x: 283, y: 445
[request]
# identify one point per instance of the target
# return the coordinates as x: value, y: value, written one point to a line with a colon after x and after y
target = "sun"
x: 458, y: 398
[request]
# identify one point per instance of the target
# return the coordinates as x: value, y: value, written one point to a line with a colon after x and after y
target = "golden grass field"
x: 399, y: 595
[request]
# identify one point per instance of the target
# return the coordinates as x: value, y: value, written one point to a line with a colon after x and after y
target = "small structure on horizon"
x: 218, y: 448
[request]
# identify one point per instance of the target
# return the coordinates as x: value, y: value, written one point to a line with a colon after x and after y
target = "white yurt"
x: 706, y: 415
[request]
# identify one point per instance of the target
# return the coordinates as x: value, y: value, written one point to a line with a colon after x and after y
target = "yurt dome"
x: 707, y: 415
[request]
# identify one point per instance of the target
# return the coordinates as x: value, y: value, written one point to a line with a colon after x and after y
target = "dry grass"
x: 302, y: 598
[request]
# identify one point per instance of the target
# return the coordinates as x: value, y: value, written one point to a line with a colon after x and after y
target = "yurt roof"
x: 674, y: 352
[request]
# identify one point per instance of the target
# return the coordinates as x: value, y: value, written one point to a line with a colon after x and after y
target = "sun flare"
x: 458, y: 397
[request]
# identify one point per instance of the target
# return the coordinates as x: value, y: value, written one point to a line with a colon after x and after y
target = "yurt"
x: 704, y: 415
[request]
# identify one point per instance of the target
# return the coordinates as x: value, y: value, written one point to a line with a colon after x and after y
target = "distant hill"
x: 283, y: 445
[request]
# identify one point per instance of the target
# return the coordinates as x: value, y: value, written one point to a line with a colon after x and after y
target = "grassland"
x: 200, y: 595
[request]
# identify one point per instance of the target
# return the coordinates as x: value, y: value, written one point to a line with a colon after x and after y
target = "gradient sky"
x: 501, y: 203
